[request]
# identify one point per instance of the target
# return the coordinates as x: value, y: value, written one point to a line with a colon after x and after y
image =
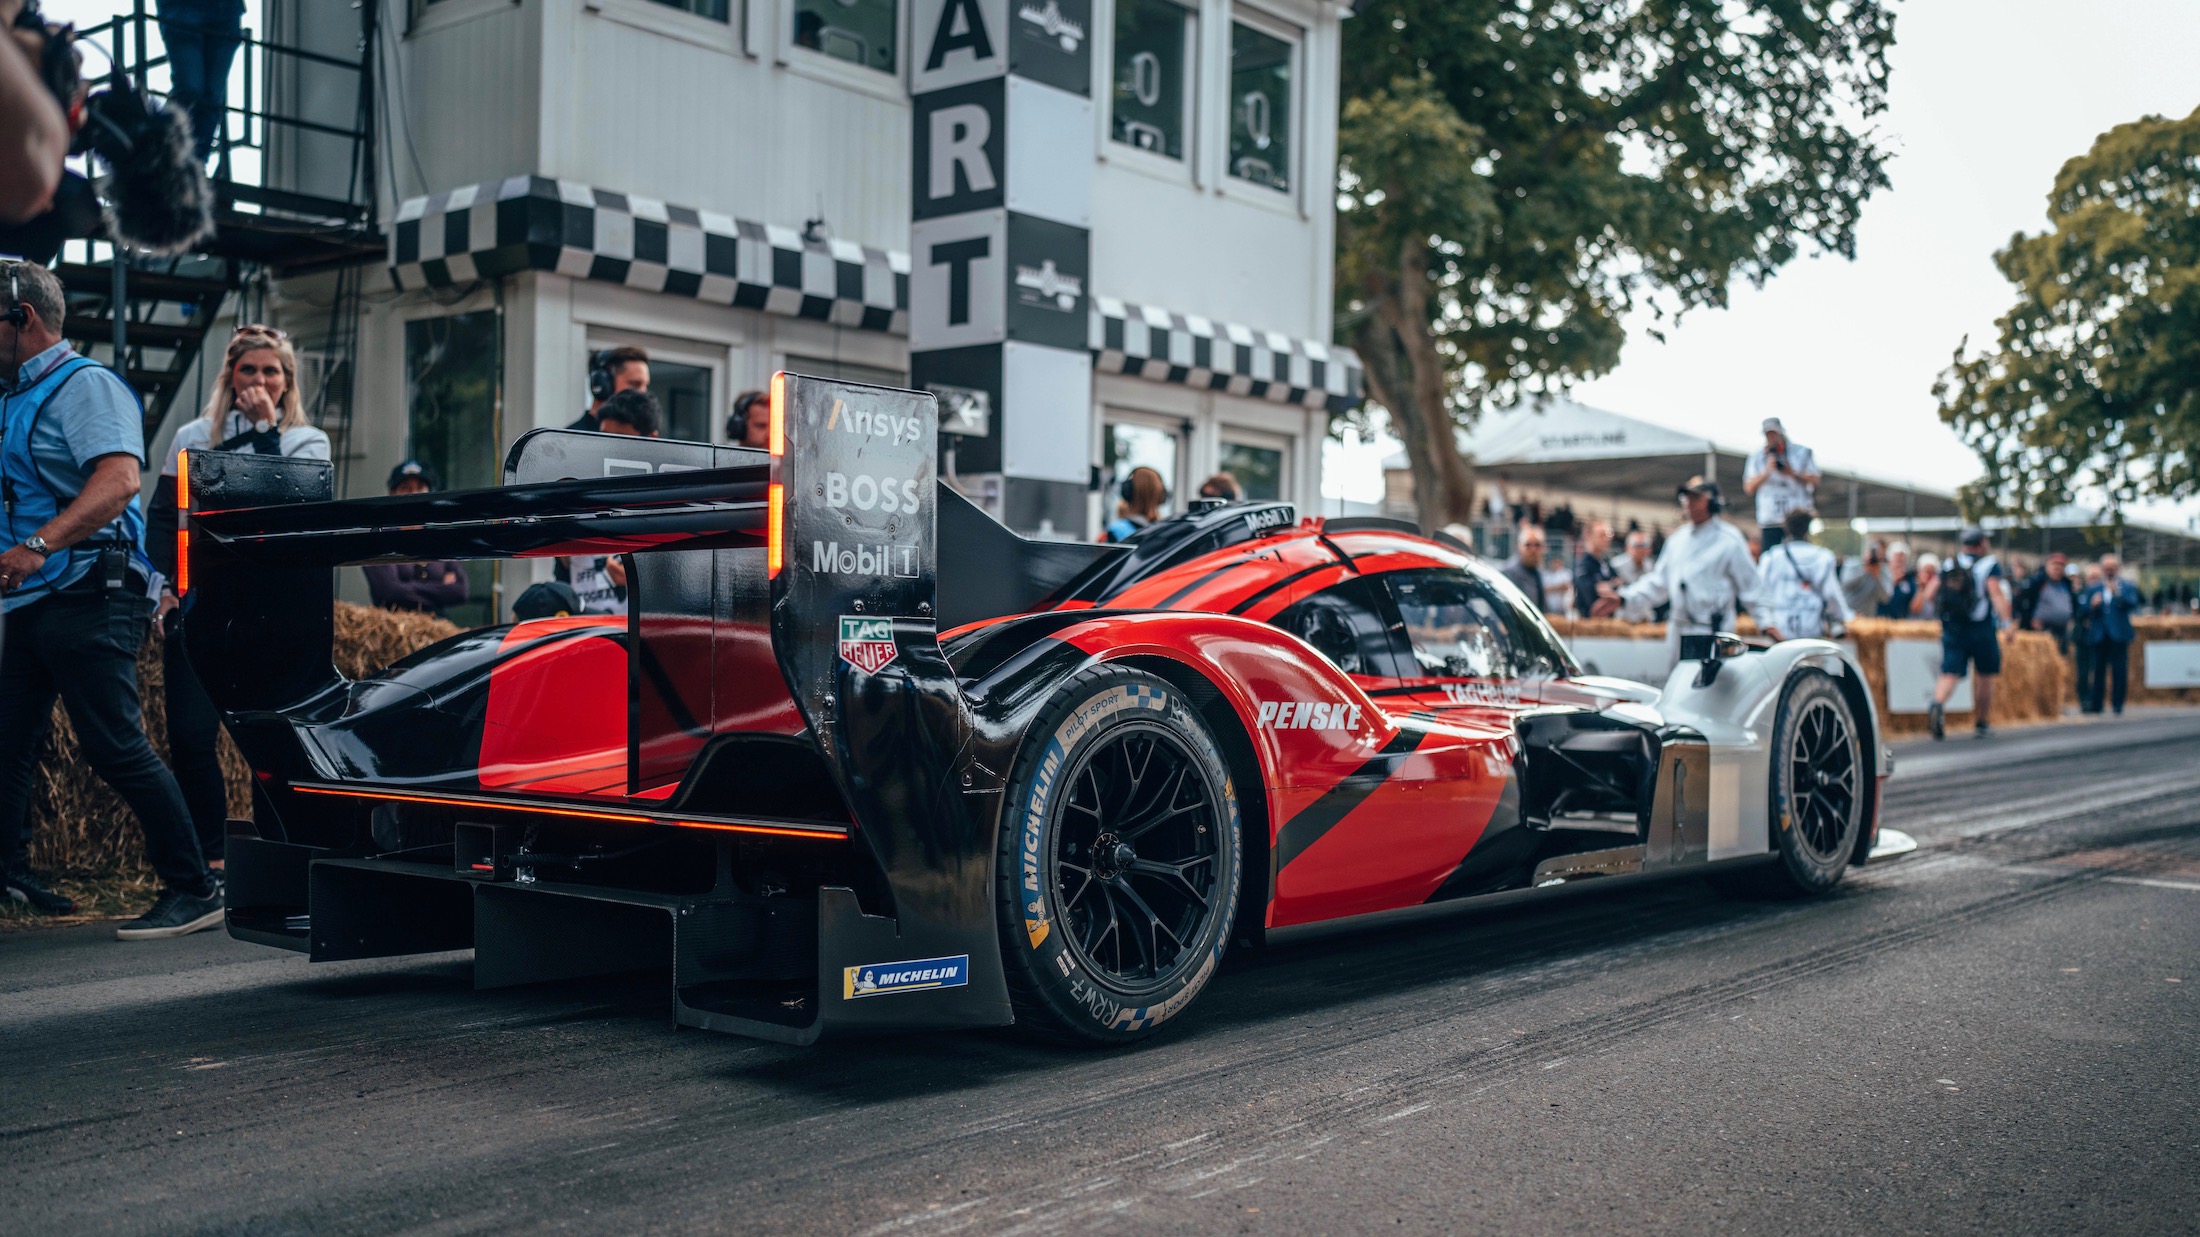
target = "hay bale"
x: 79, y: 826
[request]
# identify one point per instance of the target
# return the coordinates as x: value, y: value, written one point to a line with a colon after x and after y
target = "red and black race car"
x: 859, y: 757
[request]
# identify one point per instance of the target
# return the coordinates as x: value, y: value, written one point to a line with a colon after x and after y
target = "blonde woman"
x: 254, y: 406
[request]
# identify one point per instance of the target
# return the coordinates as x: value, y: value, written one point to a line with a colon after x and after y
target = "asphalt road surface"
x: 2000, y: 1033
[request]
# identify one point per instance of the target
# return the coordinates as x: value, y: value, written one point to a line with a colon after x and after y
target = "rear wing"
x: 826, y: 547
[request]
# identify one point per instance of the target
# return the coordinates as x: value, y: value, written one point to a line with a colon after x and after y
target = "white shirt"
x: 1705, y: 573
x: 592, y: 583
x: 1782, y: 492
x: 198, y: 434
x: 1797, y: 582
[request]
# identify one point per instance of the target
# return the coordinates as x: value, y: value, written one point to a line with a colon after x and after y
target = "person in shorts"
x: 1970, y: 636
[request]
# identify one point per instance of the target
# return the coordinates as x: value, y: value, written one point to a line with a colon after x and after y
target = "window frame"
x: 1112, y: 415
x: 1389, y: 647
x: 1292, y: 198
x: 823, y: 67
x: 672, y: 23
x: 1152, y: 163
x: 698, y: 353
x: 1229, y: 434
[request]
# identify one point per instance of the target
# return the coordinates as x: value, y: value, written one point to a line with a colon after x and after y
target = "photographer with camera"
x: 74, y: 586
x: 1783, y: 476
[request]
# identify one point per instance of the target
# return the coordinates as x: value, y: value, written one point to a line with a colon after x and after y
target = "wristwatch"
x: 37, y: 545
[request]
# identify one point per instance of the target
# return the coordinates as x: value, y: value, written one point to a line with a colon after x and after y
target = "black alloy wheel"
x: 1119, y: 861
x: 1136, y: 857
x: 1818, y: 786
x: 1822, y: 777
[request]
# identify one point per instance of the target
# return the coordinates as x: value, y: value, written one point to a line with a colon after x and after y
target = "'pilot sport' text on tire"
x: 1119, y: 864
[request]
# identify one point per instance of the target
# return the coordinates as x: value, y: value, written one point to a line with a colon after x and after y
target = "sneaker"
x: 1936, y: 720
x: 1981, y: 730
x: 31, y: 891
x: 174, y: 913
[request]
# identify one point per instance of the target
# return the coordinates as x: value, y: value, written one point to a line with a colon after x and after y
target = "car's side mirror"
x: 1711, y: 649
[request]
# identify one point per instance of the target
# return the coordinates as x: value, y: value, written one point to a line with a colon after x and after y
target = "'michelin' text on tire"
x: 1119, y: 866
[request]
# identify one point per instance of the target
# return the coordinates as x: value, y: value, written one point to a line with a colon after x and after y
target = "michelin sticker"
x: 919, y: 975
x: 866, y: 643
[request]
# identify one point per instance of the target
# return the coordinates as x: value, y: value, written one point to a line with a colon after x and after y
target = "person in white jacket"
x: 1704, y: 572
x: 1799, y: 584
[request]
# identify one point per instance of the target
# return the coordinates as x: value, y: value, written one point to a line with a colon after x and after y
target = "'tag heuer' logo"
x: 887, y: 978
x: 866, y: 643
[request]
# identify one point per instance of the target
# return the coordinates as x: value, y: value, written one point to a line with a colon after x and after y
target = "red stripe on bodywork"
x: 556, y: 714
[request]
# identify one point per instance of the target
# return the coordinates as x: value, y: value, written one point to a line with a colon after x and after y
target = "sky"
x: 1987, y: 100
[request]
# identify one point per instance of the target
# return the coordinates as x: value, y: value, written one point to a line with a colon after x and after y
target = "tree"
x: 1517, y: 175
x: 2095, y: 387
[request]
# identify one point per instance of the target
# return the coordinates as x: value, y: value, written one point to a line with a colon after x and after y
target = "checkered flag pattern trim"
x: 1220, y: 356
x: 531, y: 223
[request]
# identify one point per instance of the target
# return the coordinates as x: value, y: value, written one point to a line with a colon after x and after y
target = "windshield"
x: 1462, y: 628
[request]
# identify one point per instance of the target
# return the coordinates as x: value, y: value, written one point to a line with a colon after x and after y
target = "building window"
x: 1136, y: 444
x: 1260, y: 106
x: 1259, y: 470
x: 683, y: 391
x: 857, y: 31
x: 1154, y: 42
x: 716, y: 10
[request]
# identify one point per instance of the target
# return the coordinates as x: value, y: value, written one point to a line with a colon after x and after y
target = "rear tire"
x: 1817, y: 787
x: 1119, y: 866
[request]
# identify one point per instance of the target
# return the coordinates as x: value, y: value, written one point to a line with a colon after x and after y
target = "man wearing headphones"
x: 609, y: 372
x: 1705, y: 573
x: 74, y: 585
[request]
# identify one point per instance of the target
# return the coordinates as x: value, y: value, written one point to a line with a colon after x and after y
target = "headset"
x: 1711, y: 491
x: 601, y: 381
x: 16, y: 315
x: 1123, y: 487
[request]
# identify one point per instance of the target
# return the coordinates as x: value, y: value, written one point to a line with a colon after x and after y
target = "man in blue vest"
x: 74, y: 588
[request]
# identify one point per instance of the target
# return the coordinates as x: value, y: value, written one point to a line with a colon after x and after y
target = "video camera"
x: 154, y: 198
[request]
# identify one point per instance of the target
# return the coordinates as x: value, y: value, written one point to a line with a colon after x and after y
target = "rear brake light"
x: 183, y: 535
x: 779, y: 414
x: 775, y: 527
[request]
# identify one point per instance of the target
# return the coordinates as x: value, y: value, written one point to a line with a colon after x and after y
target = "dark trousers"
x: 83, y: 648
x: 194, y: 747
x: 2111, y: 673
x: 2061, y: 632
x: 202, y: 38
x: 2081, y: 653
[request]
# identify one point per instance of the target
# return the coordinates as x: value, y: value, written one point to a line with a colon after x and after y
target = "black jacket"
x: 1589, y: 571
x: 1529, y: 579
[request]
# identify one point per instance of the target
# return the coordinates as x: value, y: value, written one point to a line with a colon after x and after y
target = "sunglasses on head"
x: 272, y: 332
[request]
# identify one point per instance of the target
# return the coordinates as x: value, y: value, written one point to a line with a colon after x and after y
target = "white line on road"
x: 2135, y: 880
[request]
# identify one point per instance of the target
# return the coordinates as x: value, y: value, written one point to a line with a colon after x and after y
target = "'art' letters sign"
x: 1000, y: 252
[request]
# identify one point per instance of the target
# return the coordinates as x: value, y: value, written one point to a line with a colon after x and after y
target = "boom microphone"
x: 156, y: 196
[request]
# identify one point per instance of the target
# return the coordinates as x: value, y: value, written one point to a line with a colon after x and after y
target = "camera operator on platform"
x: 74, y: 586
x: 1782, y: 476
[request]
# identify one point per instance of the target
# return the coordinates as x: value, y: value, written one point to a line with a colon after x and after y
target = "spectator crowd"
x: 1707, y: 572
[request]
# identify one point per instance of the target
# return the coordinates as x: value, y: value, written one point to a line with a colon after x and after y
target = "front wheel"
x: 1817, y: 785
x: 1119, y: 864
